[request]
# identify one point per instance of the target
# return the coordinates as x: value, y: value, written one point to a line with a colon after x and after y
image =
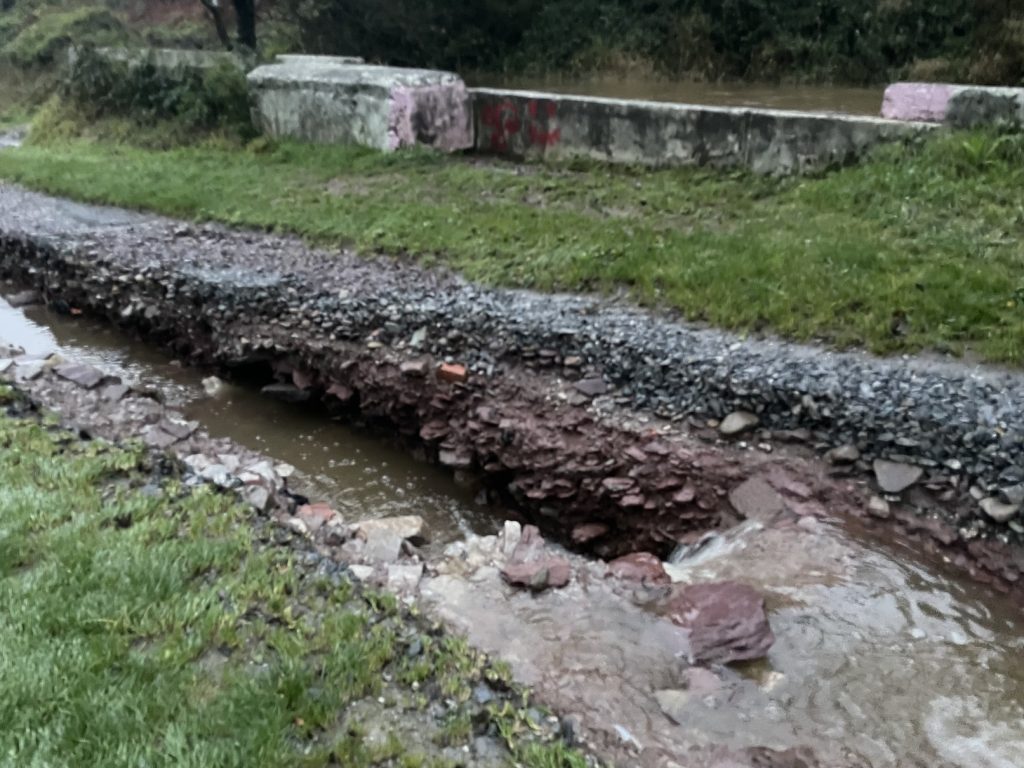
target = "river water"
x: 882, y: 659
x: 807, y: 98
x: 360, y: 475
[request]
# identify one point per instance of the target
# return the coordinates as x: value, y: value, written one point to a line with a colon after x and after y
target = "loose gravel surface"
x: 959, y: 424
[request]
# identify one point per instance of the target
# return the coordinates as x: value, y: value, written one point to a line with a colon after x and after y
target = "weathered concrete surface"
x: 543, y: 126
x: 327, y: 100
x: 961, y: 106
x: 303, y: 58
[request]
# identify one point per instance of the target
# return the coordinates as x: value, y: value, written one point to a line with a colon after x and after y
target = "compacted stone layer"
x: 528, y: 391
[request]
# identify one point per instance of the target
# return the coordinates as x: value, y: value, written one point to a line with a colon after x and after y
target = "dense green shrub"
x: 215, y: 98
x: 841, y: 40
x: 39, y: 42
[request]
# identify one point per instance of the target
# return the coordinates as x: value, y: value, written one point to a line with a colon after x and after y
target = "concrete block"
x: 328, y: 101
x: 961, y: 106
x: 305, y: 58
x: 927, y: 102
x: 544, y: 126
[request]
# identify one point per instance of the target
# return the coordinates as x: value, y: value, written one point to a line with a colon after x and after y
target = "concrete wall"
x: 327, y: 100
x: 960, y: 106
x: 544, y: 126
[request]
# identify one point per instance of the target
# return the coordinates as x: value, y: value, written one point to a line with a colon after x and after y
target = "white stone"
x: 405, y: 527
x: 404, y: 578
x: 361, y: 572
x: 998, y: 511
x: 511, y: 533
x: 737, y: 422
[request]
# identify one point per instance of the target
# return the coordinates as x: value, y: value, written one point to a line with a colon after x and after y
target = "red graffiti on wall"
x: 534, y: 127
x: 541, y: 134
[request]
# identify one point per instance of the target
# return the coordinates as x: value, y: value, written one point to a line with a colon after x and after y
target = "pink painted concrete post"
x: 924, y: 102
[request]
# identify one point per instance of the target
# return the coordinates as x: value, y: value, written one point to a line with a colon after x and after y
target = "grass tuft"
x: 141, y: 626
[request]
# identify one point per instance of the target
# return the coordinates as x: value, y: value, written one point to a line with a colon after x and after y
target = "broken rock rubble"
x: 531, y: 566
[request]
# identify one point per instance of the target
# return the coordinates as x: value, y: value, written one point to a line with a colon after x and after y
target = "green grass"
x: 139, y: 625
x: 933, y: 232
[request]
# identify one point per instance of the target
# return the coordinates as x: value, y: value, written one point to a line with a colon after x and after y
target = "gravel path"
x: 950, y: 419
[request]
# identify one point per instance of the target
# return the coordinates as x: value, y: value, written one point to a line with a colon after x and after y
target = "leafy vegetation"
x: 929, y: 231
x: 861, y: 41
x: 193, y: 98
x: 141, y: 626
x: 850, y: 41
x: 39, y: 42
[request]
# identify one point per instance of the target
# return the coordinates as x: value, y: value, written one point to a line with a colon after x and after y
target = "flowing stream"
x: 360, y: 475
x: 883, y: 658
x: 805, y: 98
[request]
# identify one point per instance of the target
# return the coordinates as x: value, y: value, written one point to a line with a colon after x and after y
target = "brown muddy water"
x: 805, y: 98
x: 883, y: 658
x: 360, y: 475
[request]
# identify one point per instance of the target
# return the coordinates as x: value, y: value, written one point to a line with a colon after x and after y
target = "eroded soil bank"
x: 594, y: 419
x: 881, y: 658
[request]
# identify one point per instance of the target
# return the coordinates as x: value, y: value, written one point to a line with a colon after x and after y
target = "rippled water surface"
x: 807, y: 98
x: 360, y: 475
x: 882, y: 658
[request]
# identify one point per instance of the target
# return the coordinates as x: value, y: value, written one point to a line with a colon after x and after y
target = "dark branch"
x: 213, y: 6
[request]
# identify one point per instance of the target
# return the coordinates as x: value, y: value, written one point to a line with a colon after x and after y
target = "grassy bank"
x: 931, y: 234
x: 141, y: 626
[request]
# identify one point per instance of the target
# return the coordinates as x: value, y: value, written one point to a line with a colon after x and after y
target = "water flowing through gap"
x: 882, y: 658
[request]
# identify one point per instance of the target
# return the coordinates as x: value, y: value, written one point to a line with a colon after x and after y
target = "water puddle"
x: 360, y: 475
x: 806, y: 98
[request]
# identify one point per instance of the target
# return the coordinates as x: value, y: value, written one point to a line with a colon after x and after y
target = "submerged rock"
x: 538, y: 575
x: 287, y: 393
x: 639, y: 566
x: 723, y: 621
x: 757, y: 500
x: 762, y: 757
x: 213, y: 386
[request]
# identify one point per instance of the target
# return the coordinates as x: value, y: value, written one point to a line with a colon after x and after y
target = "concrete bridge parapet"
x: 545, y: 126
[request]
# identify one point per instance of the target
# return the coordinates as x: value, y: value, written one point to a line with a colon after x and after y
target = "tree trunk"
x: 213, y: 6
x: 245, y: 16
